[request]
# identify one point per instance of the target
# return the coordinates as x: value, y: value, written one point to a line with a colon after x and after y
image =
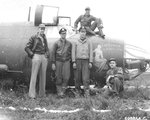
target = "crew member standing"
x: 37, y: 50
x: 82, y: 58
x: 61, y: 58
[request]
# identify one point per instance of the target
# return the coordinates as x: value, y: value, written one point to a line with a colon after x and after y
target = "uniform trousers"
x: 116, y: 87
x: 39, y: 65
x: 98, y: 24
x: 62, y: 75
x: 82, y: 73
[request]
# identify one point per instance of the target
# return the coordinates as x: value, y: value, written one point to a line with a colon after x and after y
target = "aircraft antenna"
x: 29, y: 14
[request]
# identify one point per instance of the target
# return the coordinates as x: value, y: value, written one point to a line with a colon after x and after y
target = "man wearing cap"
x: 61, y: 57
x: 82, y: 58
x: 114, y: 79
x: 37, y: 50
x: 86, y: 20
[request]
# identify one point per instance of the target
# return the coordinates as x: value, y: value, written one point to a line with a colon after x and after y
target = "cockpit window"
x: 49, y: 15
x: 64, y: 20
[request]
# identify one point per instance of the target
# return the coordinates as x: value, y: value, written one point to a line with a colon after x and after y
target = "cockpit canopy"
x: 48, y: 15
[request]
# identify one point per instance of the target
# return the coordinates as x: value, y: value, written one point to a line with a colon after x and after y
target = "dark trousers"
x: 116, y: 87
x: 98, y: 24
x: 82, y: 74
x: 62, y: 75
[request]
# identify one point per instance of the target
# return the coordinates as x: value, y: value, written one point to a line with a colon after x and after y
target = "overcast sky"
x: 127, y: 20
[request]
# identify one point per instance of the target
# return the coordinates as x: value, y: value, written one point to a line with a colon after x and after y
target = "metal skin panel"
x: 110, y: 49
x: 14, y: 37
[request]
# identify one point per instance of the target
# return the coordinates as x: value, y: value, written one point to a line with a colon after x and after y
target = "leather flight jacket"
x: 35, y: 46
x: 61, y: 51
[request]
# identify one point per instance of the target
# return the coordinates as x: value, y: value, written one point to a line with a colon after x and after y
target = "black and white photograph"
x: 74, y: 60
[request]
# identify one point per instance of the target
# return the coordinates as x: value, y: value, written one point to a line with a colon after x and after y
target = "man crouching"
x: 114, y: 79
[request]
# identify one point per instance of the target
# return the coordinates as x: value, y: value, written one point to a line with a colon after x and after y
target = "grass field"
x: 121, y: 108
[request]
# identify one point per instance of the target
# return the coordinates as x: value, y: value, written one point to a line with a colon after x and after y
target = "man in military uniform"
x: 37, y: 50
x: 86, y: 19
x: 82, y: 58
x: 114, y: 79
x: 61, y: 58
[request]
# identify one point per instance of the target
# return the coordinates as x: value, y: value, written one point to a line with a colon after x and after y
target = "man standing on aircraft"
x: 61, y: 57
x: 82, y: 58
x: 37, y: 49
x: 86, y: 20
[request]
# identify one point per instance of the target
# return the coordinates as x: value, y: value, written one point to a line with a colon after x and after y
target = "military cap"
x: 41, y: 26
x: 82, y: 29
x: 87, y: 8
x: 62, y: 30
x: 112, y: 59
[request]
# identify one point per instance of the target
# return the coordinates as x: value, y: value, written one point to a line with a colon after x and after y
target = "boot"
x: 58, y: 89
x: 63, y: 91
x: 101, y: 33
x: 103, y: 36
x: 60, y: 92
x: 87, y: 93
x: 78, y: 92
